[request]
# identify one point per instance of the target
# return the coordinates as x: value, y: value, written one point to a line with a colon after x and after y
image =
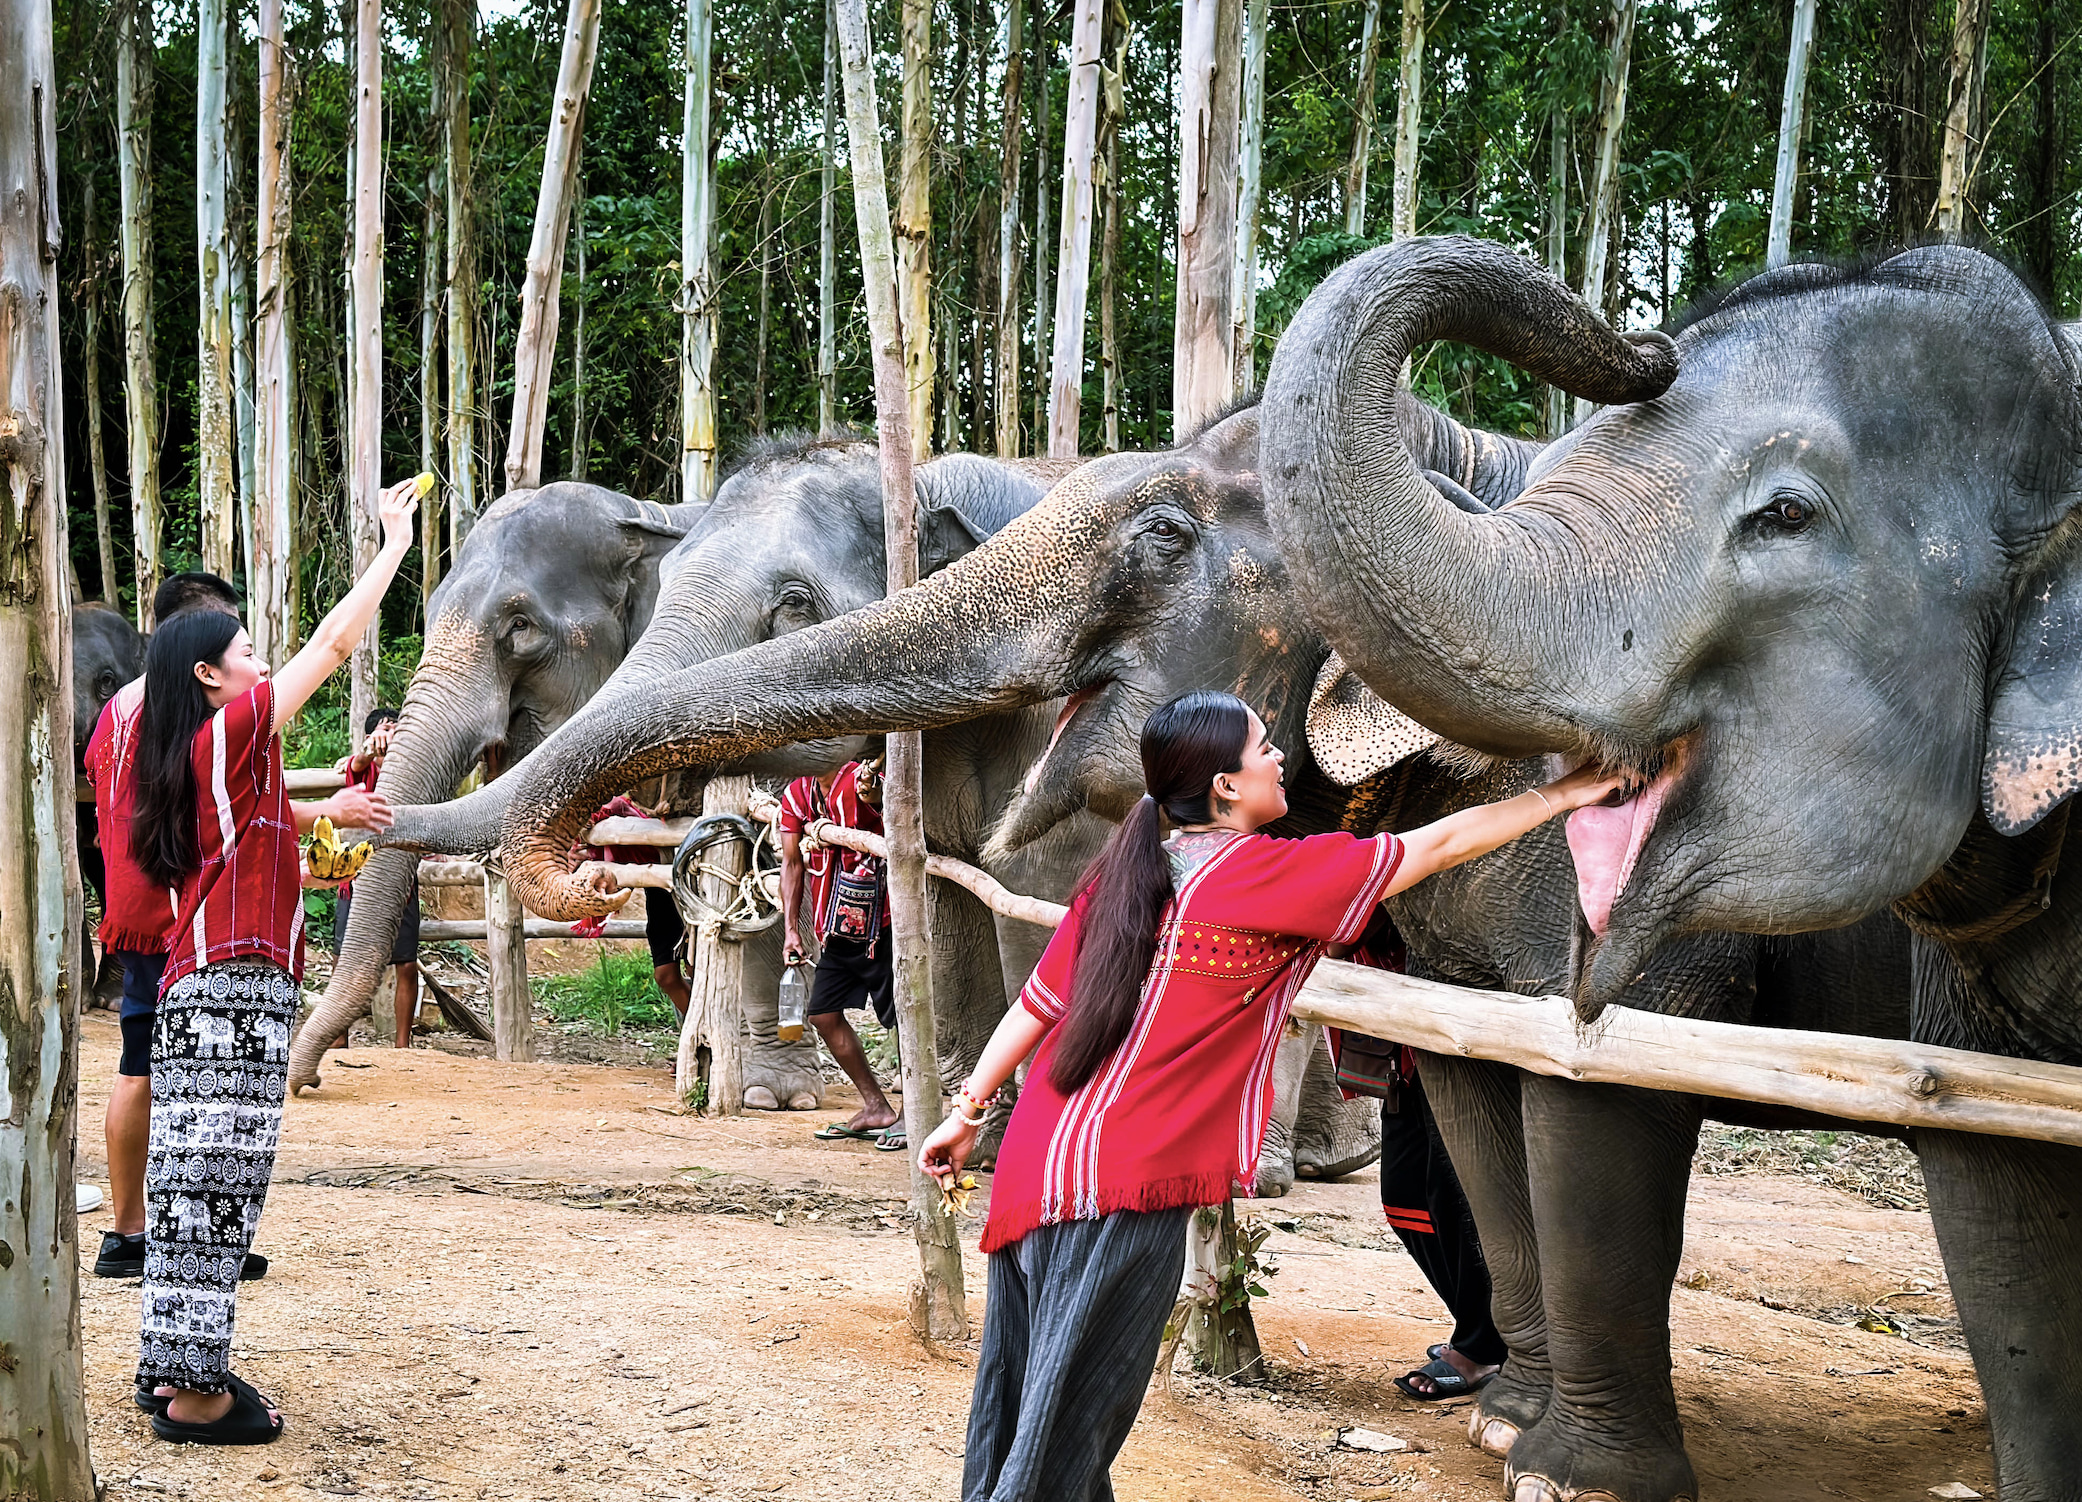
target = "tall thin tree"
x: 1074, y: 258
x: 1250, y: 176
x: 430, y: 269
x: 697, y: 275
x: 1409, y: 115
x: 1040, y: 244
x: 1778, y: 245
x: 914, y: 223
x: 1362, y: 119
x: 97, y: 452
x: 43, y: 1412
x: 268, y: 585
x: 136, y: 69
x: 1113, y: 109
x: 1210, y: 98
x: 828, y: 237
x: 1958, y: 160
x: 216, y: 490
x: 1005, y: 394
x: 1603, y: 205
x: 459, y: 37
x: 365, y: 340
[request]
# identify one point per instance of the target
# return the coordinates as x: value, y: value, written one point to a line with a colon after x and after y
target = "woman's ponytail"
x: 1185, y: 745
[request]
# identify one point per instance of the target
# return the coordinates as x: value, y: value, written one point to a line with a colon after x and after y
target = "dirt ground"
x: 541, y: 1281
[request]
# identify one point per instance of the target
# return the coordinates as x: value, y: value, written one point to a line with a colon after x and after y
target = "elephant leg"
x: 2009, y: 1221
x: 1608, y: 1166
x: 1289, y: 1068
x: 778, y: 1076
x: 1332, y: 1136
x: 1479, y: 1115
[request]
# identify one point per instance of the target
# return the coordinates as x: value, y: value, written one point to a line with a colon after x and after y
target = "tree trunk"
x: 1223, y: 1342
x: 213, y: 441
x: 1779, y: 245
x: 506, y: 951
x: 914, y: 224
x: 1044, y: 102
x: 97, y: 451
x: 712, y: 1036
x: 1006, y: 392
x: 1557, y: 243
x: 267, y: 585
x: 1114, y: 107
x: 135, y: 70
x: 1409, y: 112
x: 1961, y: 155
x: 580, y: 434
x: 828, y: 239
x: 1250, y: 175
x: 2044, y: 241
x: 1362, y: 120
x: 1210, y: 65
x: 764, y: 335
x: 460, y: 22
x: 365, y: 393
x: 535, y: 348
x: 939, y: 1308
x: 1604, y: 186
x: 430, y: 345
x: 698, y: 287
x: 238, y: 199
x: 42, y: 1403
x: 1073, y: 262
x: 1908, y: 140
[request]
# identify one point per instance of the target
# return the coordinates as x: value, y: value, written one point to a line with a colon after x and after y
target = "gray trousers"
x: 1070, y: 1335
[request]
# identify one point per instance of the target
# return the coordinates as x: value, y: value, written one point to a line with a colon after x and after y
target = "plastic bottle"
x: 794, y: 1004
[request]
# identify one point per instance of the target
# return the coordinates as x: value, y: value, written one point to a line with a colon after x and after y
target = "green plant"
x: 617, y: 993
x: 1238, y: 1281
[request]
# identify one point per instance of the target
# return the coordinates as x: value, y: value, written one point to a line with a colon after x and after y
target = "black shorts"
x: 140, y: 1005
x: 848, y: 976
x: 404, y: 950
x: 662, y: 927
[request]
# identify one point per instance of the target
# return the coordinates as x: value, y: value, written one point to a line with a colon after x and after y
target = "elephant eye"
x: 1788, y: 512
x: 1167, y: 533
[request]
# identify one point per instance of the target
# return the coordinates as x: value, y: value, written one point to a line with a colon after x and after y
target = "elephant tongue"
x: 1605, y: 843
x: 1071, y: 705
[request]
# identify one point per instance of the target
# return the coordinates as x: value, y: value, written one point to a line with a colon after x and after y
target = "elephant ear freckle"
x: 1626, y: 642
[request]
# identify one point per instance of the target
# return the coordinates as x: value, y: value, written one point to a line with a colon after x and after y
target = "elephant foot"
x: 1507, y: 1408
x: 1547, y: 1465
x: 804, y: 1100
x: 759, y: 1098
x: 1492, y: 1433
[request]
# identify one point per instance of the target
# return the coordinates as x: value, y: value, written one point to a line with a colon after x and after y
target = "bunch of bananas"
x: 956, y: 1195
x: 329, y: 859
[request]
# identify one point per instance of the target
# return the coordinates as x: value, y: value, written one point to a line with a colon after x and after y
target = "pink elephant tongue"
x: 1605, y: 843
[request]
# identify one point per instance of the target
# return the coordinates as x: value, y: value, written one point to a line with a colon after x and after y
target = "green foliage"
x: 1238, y: 1281
x: 617, y: 993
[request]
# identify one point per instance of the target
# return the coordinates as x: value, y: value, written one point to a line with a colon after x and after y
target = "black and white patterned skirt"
x: 220, y: 1066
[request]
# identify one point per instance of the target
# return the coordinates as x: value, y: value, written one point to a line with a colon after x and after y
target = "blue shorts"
x: 141, y: 974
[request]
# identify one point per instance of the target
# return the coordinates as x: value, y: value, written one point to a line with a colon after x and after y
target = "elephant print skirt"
x: 220, y: 1062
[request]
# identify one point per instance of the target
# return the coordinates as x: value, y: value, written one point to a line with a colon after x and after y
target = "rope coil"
x: 753, y: 896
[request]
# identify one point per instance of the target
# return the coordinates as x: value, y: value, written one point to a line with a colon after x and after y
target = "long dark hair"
x: 1186, y: 744
x: 162, y: 822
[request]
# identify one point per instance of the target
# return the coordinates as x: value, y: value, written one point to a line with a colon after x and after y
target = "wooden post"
x: 1779, y: 246
x: 939, y: 1307
x: 914, y: 225
x: 828, y: 239
x: 365, y: 336
x: 267, y: 586
x: 43, y: 1412
x: 1409, y: 112
x: 1074, y: 257
x: 1604, y: 183
x: 1250, y: 175
x: 460, y: 22
x: 217, y: 495
x: 712, y: 1036
x: 1006, y: 393
x: 698, y: 282
x: 535, y: 347
x: 1962, y: 149
x: 1363, y: 120
x: 506, y: 947
x: 135, y: 70
x: 97, y: 452
x: 1210, y: 96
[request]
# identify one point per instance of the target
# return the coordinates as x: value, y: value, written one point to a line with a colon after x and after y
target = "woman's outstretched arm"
x: 1017, y: 1035
x: 342, y: 627
x: 1441, y: 845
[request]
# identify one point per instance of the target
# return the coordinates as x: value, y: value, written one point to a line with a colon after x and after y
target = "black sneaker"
x: 121, y: 1256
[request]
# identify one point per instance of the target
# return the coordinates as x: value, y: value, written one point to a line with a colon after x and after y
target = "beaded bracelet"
x: 980, y: 1107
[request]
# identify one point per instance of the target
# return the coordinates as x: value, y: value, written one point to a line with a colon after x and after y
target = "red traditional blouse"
x: 138, y: 912
x: 1177, y: 1115
x: 802, y: 803
x: 247, y: 899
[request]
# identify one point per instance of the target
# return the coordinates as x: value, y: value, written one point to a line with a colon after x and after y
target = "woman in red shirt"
x: 1156, y: 1010
x: 212, y: 820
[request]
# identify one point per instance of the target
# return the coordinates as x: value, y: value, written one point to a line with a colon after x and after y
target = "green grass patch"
x: 616, y: 994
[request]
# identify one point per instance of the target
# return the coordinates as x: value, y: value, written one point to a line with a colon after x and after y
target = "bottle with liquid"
x: 794, y: 1004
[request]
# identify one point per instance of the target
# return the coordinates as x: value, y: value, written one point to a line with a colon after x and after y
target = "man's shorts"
x: 141, y: 974
x: 662, y: 927
x: 848, y: 976
x: 405, y: 949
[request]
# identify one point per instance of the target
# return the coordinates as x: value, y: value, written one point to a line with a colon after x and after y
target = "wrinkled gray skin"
x: 545, y: 598
x: 107, y: 652
x: 1815, y: 571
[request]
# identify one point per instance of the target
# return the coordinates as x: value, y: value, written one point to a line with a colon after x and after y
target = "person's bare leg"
x: 128, y: 1127
x: 875, y: 1110
x: 406, y: 1002
x: 674, y: 985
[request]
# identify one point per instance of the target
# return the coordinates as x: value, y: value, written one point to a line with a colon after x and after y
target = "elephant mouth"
x: 1606, y: 840
x: 1071, y: 706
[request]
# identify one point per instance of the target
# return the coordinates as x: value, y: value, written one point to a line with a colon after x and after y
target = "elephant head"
x: 107, y: 652
x: 1814, y: 575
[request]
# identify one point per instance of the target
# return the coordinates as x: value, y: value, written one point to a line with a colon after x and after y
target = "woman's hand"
x: 1588, y: 784
x: 397, y: 506
x: 948, y: 1149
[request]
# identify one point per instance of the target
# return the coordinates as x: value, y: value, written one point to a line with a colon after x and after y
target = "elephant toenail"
x: 1494, y: 1436
x: 1534, y: 1489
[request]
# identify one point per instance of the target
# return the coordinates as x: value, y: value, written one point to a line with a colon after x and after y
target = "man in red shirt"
x: 849, y: 904
x: 136, y: 917
x: 361, y: 769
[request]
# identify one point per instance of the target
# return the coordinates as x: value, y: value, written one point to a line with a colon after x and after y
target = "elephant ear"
x: 962, y: 500
x: 1355, y: 734
x: 2033, y: 759
x: 649, y: 535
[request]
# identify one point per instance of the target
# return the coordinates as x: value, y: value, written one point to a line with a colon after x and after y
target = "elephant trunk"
x: 1453, y: 616
x: 443, y: 727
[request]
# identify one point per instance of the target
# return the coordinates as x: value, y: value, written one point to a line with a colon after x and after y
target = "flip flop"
x: 1445, y: 1382
x: 891, y: 1140
x: 846, y: 1134
x: 246, y: 1423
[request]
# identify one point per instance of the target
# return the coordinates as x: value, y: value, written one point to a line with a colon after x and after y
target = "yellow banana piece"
x: 957, y: 1197
x: 423, y: 486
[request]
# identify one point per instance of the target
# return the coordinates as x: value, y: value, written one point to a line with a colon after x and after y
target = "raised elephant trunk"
x: 442, y: 728
x: 1449, y: 614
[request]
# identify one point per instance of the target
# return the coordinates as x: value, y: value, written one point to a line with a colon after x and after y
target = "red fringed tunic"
x: 1177, y: 1114
x: 138, y: 913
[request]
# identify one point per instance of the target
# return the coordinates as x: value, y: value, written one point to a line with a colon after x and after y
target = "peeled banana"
x: 329, y: 859
x: 423, y: 484
x: 956, y: 1195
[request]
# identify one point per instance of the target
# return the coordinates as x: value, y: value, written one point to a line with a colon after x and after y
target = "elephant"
x: 107, y: 652
x: 192, y: 1216
x: 1812, y: 574
x: 215, y: 1035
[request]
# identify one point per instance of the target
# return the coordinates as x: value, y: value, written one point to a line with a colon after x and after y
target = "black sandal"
x: 1445, y: 1382
x: 245, y: 1423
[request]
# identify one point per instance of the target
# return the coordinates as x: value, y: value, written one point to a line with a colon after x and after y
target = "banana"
x: 329, y: 859
x: 957, y: 1196
x: 423, y: 485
